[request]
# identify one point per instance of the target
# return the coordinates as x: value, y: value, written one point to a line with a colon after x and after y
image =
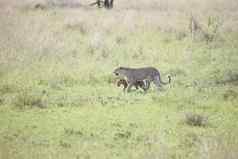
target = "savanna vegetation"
x: 59, y: 99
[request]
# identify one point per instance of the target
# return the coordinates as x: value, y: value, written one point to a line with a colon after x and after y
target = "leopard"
x: 133, y: 75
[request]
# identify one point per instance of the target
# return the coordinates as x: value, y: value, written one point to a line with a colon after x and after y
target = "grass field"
x: 59, y: 99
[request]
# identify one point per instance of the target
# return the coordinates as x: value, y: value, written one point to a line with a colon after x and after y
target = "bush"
x: 27, y: 98
x: 230, y: 95
x: 40, y: 6
x: 196, y: 119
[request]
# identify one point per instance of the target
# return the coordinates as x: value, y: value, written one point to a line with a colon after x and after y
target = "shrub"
x: 122, y: 134
x: 27, y: 98
x: 196, y: 119
x: 230, y: 95
x: 230, y: 77
x: 71, y: 131
x: 40, y: 6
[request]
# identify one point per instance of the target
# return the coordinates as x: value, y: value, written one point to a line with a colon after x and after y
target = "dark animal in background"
x: 108, y: 4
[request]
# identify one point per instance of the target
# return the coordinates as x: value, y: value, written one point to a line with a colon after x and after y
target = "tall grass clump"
x: 193, y: 119
x: 30, y: 99
x: 219, y: 148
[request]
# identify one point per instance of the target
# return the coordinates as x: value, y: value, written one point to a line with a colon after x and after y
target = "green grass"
x: 58, y: 97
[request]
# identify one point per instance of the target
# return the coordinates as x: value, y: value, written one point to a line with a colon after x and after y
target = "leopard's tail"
x: 158, y: 81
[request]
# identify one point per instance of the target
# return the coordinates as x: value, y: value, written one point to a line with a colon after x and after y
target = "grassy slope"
x: 58, y: 59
